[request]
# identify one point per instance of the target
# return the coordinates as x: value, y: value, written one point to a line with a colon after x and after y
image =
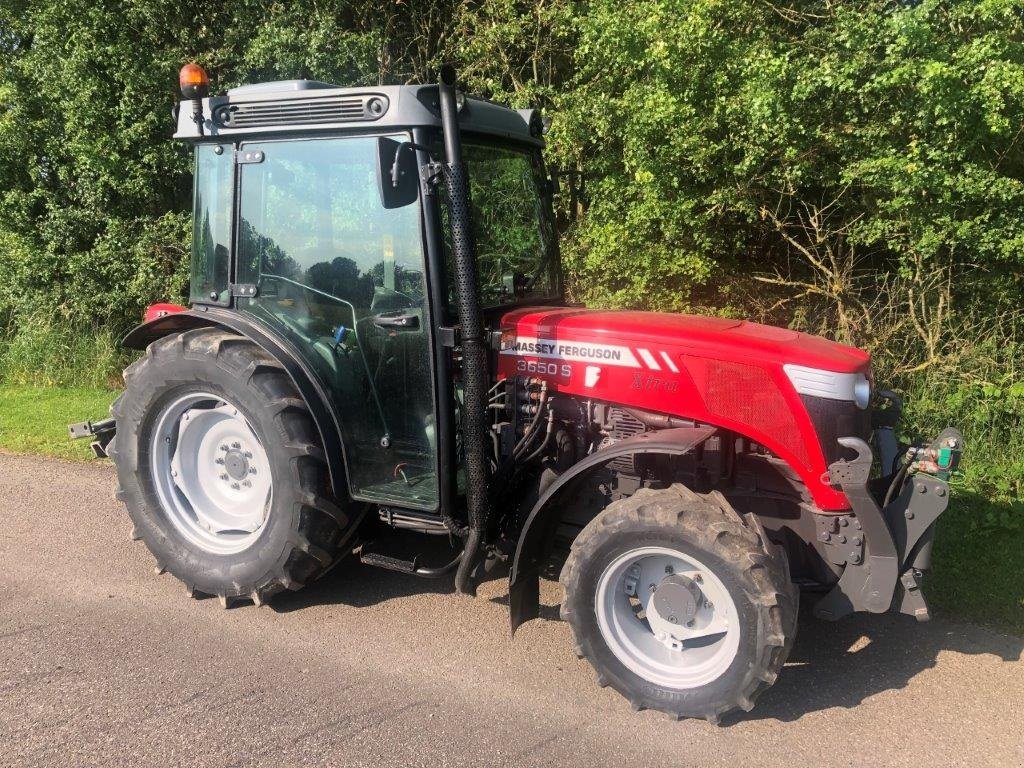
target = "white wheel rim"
x: 211, y: 473
x: 675, y: 651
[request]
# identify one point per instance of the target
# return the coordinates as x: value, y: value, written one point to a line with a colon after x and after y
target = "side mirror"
x: 397, y: 174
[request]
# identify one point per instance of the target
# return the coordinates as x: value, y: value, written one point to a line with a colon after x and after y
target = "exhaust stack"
x: 475, y: 357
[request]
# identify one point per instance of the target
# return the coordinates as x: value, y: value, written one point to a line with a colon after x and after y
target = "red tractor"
x: 378, y: 346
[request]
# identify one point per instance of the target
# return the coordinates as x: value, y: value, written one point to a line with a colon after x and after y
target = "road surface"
x: 104, y: 663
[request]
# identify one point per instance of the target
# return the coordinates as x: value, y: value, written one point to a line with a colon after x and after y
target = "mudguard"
x: 325, y: 416
x: 524, y: 581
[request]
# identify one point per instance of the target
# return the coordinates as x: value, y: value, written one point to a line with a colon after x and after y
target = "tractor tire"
x: 628, y: 555
x: 274, y: 524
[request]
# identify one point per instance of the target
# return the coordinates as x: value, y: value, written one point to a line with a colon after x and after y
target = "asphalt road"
x: 104, y: 663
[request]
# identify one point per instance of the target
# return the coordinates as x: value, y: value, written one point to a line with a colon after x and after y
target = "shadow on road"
x: 353, y: 583
x: 832, y: 664
x: 843, y: 663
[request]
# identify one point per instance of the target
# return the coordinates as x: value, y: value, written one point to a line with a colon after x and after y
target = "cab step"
x: 388, y: 562
x: 411, y: 567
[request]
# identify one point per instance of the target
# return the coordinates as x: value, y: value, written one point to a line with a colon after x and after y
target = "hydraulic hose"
x: 475, y: 355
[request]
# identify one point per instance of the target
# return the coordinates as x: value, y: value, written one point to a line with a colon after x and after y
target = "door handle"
x: 397, y: 321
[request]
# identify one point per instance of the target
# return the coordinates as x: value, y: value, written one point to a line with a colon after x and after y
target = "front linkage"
x: 894, y: 517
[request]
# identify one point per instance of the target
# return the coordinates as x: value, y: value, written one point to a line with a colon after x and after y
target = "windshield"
x: 515, y: 239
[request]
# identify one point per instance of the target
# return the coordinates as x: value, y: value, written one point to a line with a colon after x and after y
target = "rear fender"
x: 524, y: 581
x: 283, y: 351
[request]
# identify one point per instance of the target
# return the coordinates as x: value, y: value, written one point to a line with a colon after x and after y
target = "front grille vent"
x: 307, y: 111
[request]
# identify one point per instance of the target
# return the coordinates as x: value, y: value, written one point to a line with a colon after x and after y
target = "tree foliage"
x: 852, y: 167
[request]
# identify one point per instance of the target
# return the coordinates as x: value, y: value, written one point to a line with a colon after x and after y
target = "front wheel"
x: 679, y: 603
x: 222, y: 470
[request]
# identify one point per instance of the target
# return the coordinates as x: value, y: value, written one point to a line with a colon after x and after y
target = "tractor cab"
x: 317, y: 215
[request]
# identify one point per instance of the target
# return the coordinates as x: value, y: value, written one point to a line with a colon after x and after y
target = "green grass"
x: 35, y: 419
x: 978, y: 565
x: 978, y: 562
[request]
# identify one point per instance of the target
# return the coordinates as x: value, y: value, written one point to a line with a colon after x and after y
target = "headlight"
x: 862, y: 392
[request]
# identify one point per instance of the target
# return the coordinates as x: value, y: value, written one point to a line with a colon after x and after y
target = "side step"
x: 380, y: 560
x: 387, y: 562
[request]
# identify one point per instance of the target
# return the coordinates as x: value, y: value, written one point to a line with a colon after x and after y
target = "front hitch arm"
x: 898, y: 537
x: 871, y: 584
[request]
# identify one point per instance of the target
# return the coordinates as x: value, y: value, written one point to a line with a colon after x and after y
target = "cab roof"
x: 304, y: 106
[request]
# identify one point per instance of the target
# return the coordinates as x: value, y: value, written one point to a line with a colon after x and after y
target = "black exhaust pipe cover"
x: 475, y: 356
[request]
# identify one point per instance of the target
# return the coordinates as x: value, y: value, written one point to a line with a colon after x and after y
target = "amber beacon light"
x: 195, y: 85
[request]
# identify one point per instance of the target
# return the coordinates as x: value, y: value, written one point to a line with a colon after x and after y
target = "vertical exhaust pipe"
x: 475, y: 356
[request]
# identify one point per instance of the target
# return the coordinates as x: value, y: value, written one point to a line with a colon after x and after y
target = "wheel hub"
x: 676, y: 599
x: 236, y: 465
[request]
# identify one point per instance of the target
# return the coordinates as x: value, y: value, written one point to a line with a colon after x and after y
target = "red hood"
x: 714, y: 337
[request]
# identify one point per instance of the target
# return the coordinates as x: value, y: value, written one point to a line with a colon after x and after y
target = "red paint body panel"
x: 716, y: 371
x: 154, y: 311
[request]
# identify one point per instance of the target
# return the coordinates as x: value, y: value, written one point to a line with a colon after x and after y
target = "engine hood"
x: 656, y: 333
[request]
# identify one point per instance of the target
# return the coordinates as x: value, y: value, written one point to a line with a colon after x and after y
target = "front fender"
x: 524, y: 581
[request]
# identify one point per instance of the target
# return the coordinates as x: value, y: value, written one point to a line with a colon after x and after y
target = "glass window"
x: 513, y: 233
x: 343, y: 277
x: 211, y: 233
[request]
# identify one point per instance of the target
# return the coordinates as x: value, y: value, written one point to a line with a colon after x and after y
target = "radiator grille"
x: 314, y: 110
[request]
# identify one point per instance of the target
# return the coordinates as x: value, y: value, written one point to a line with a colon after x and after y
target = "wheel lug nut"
x: 224, y: 477
x: 653, y: 587
x: 690, y: 623
x: 252, y: 470
x: 247, y: 484
x: 224, y: 447
x: 669, y: 569
x: 235, y: 486
x: 247, y: 454
x: 698, y: 578
x: 236, y: 446
x: 218, y: 461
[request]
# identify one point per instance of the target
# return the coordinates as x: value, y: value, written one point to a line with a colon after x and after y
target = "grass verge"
x: 35, y: 419
x: 979, y: 549
x: 977, y: 569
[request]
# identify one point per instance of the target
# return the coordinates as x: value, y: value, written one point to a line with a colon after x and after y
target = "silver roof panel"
x: 300, y: 106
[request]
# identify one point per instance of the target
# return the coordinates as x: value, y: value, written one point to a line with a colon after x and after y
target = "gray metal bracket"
x: 430, y: 177
x: 923, y: 499
x: 870, y: 585
x: 911, y: 600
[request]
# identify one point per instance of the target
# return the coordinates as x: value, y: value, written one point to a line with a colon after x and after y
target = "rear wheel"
x: 679, y: 603
x: 221, y: 468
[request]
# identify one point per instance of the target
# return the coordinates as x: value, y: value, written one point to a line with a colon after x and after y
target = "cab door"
x: 343, y: 278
